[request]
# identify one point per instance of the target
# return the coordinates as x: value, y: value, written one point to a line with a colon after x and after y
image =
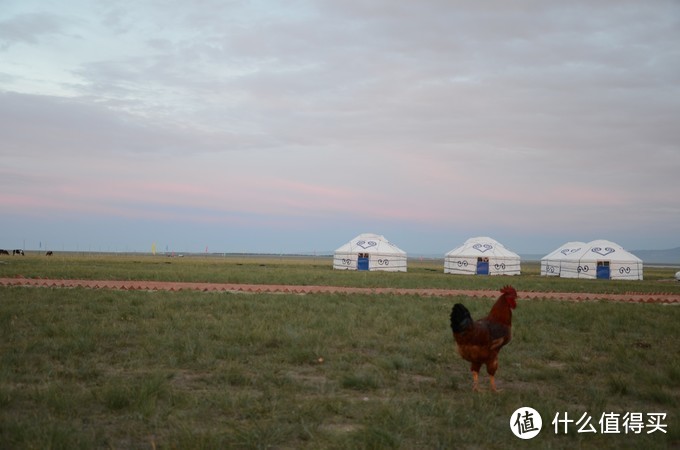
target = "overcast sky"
x: 292, y: 126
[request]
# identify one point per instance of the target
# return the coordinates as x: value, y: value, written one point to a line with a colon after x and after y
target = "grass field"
x: 84, y: 368
x: 307, y: 271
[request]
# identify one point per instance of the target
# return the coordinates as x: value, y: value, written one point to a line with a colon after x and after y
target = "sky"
x: 292, y: 126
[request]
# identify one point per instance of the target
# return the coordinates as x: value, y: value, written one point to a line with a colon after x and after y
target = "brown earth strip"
x: 289, y: 289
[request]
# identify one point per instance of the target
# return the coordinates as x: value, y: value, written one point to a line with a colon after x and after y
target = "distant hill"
x: 671, y: 256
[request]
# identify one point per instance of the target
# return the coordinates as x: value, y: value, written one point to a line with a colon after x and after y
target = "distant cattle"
x: 18, y: 252
x: 3, y: 252
x: 49, y: 253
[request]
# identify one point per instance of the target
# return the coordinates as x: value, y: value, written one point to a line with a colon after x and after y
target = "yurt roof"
x: 482, y: 246
x: 370, y: 243
x: 602, y: 250
x: 566, y: 249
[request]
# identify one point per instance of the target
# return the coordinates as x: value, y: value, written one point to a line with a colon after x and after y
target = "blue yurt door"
x: 482, y: 266
x: 362, y: 261
x: 603, y: 270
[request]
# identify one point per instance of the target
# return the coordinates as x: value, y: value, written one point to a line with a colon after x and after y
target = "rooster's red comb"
x: 507, y: 289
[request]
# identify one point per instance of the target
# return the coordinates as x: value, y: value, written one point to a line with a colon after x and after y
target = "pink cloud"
x: 214, y: 198
x: 220, y: 200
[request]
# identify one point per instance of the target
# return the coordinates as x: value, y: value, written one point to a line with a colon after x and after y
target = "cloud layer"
x: 529, y: 121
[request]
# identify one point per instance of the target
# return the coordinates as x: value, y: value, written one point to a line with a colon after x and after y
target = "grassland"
x: 84, y: 368
x: 306, y: 271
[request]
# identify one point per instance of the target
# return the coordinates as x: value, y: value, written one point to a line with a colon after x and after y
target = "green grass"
x: 307, y: 271
x: 84, y: 368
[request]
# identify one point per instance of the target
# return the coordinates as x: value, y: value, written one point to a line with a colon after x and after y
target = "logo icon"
x: 599, y: 251
x: 482, y: 247
x: 365, y: 245
x: 526, y: 423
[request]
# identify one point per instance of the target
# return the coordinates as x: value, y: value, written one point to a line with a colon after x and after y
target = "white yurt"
x: 602, y: 259
x: 482, y: 256
x: 370, y: 252
x: 551, y: 264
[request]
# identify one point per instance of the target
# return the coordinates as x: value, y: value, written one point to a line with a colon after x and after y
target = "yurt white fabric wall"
x: 482, y: 256
x: 370, y: 252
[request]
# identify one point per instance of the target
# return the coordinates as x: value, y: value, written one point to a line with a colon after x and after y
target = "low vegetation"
x: 82, y: 368
x: 306, y: 271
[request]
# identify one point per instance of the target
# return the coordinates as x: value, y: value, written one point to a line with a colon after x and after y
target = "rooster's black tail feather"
x: 461, y: 319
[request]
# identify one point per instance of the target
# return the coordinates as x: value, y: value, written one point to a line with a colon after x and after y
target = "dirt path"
x: 286, y: 289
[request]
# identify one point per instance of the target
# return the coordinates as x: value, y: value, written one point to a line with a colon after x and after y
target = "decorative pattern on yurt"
x: 482, y: 256
x: 370, y: 252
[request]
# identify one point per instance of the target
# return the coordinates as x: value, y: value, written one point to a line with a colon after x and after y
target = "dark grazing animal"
x: 18, y: 252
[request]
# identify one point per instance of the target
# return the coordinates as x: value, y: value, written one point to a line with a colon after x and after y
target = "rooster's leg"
x: 475, y: 381
x: 493, y: 383
x: 491, y: 368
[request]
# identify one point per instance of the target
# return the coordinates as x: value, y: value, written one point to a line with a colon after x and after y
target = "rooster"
x: 480, y: 341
